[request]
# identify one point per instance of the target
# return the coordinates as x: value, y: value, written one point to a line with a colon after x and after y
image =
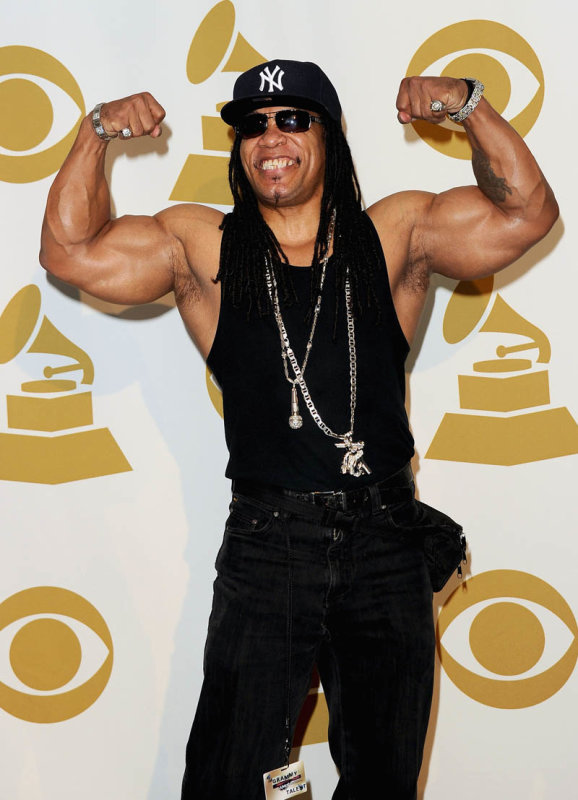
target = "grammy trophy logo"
x: 29, y: 103
x: 203, y: 179
x: 472, y: 39
x: 214, y: 391
x: 522, y: 642
x: 313, y: 723
x: 505, y: 413
x: 56, y: 640
x: 51, y: 437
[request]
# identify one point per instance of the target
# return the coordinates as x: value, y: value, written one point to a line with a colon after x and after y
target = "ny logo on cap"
x: 267, y: 75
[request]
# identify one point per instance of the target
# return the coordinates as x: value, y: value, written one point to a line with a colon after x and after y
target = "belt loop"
x: 375, y: 496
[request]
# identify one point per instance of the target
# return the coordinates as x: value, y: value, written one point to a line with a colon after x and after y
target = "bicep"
x: 130, y: 261
x: 463, y: 235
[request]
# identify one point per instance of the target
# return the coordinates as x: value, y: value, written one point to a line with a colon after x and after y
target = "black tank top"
x: 246, y: 361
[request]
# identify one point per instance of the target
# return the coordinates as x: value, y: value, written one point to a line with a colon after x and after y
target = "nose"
x: 272, y: 135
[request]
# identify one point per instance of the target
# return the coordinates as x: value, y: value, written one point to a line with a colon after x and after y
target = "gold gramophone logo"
x: 203, y: 178
x: 313, y: 723
x: 215, y: 391
x: 51, y: 436
x: 505, y: 412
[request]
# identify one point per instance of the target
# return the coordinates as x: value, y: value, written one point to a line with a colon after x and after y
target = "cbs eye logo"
x: 38, y: 118
x: 473, y: 44
x: 56, y: 654
x: 523, y: 639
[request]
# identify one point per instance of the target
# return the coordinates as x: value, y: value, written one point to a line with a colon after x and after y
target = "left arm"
x: 472, y: 231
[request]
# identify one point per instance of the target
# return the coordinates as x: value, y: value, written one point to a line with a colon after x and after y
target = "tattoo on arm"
x: 494, y: 187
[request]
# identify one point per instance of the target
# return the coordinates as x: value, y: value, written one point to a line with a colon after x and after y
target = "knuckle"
x: 138, y: 102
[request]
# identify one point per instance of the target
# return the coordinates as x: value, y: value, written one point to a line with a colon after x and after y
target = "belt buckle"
x: 333, y: 499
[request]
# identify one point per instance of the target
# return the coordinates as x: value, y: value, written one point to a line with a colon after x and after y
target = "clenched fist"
x: 416, y: 95
x: 137, y: 115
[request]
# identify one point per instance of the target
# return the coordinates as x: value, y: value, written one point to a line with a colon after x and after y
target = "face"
x: 285, y: 169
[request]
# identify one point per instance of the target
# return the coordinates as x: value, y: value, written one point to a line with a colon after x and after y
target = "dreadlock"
x: 249, y: 243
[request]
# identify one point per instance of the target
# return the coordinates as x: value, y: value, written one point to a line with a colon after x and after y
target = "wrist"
x: 87, y: 139
x: 475, y: 91
x: 98, y: 126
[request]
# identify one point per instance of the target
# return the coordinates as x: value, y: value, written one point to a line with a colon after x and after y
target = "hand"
x: 416, y: 94
x: 140, y: 113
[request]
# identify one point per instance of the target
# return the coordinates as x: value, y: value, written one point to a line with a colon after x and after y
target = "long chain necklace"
x: 353, y: 462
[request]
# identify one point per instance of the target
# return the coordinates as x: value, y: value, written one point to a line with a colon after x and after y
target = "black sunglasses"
x: 288, y: 120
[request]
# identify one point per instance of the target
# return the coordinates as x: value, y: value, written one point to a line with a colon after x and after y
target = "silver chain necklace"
x: 353, y: 462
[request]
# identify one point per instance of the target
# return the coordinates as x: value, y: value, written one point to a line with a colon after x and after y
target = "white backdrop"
x: 111, y: 522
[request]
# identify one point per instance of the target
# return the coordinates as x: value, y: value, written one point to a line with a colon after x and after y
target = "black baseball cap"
x: 280, y: 82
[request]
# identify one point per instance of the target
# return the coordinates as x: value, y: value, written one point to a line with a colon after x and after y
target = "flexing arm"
x: 132, y: 259
x: 473, y: 231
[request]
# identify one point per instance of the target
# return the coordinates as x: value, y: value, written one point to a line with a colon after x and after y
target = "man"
x: 290, y: 300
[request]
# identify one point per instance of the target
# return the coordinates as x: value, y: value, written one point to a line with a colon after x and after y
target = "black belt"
x: 373, y: 497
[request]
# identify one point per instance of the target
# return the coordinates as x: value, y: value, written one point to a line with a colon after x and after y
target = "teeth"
x: 276, y: 163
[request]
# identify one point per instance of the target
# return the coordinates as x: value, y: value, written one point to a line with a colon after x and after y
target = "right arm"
x: 132, y: 259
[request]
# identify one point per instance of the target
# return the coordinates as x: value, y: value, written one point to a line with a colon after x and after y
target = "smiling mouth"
x: 276, y: 163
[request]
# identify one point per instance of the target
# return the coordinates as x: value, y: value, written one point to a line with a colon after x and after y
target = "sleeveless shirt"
x: 246, y: 361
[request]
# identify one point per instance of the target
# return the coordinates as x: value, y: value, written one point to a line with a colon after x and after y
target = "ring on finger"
x: 126, y: 133
x: 437, y: 105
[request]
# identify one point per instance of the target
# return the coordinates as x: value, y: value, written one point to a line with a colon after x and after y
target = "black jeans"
x: 300, y: 585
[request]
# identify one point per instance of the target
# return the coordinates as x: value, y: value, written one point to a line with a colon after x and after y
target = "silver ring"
x: 126, y: 133
x: 436, y: 105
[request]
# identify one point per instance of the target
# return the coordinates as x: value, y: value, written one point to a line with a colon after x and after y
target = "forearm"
x: 505, y: 169
x: 78, y: 205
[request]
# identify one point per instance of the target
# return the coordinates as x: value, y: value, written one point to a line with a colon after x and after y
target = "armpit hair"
x: 186, y: 287
x: 416, y: 275
x: 416, y: 278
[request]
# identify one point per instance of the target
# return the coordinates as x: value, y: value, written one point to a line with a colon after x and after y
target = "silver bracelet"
x: 476, y: 92
x: 98, y: 126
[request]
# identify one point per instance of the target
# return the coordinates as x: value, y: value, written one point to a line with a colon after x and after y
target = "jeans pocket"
x: 405, y: 515
x: 442, y: 539
x: 247, y: 516
x: 444, y: 545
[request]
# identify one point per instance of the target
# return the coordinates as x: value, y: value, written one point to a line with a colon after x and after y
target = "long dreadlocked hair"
x: 249, y: 243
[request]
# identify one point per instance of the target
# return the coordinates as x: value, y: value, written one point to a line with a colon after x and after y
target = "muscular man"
x: 290, y: 300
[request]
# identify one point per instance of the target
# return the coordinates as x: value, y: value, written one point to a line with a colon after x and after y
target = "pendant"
x: 353, y: 463
x: 295, y: 420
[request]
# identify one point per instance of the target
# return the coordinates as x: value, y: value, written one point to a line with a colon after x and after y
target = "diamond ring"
x: 126, y: 133
x: 436, y: 105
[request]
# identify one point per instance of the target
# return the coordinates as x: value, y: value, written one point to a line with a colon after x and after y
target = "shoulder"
x: 399, y: 219
x: 182, y: 219
x: 402, y: 208
x: 196, y: 237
